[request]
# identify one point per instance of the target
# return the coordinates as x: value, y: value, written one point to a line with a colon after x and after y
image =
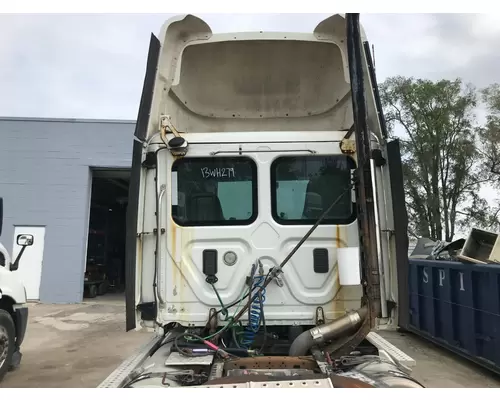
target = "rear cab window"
x: 303, y: 187
x: 215, y: 191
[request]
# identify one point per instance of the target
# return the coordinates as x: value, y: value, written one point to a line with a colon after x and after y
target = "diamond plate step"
x: 118, y: 377
x: 297, y: 384
x: 399, y: 356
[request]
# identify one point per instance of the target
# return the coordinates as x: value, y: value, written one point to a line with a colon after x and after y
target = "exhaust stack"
x: 323, y: 333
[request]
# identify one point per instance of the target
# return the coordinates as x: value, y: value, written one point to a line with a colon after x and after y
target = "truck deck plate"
x: 292, y: 384
x: 399, y: 356
x: 117, y: 378
x: 178, y: 359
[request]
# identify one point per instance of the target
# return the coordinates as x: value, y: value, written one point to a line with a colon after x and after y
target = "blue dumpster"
x: 457, y: 306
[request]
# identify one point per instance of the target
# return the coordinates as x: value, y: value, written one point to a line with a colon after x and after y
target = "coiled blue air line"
x: 253, y: 326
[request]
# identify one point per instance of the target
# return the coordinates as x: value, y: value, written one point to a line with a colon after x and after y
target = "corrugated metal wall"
x: 45, y: 180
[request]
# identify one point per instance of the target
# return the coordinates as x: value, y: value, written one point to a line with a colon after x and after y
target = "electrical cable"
x: 223, y: 307
x: 135, y: 380
x: 187, y: 353
x: 230, y: 319
x: 236, y: 302
x: 223, y: 310
x: 211, y: 346
x: 235, y: 339
x: 225, y: 327
x: 228, y: 306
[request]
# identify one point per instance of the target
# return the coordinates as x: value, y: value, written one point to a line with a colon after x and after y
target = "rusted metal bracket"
x: 212, y: 320
x: 320, y: 316
x: 348, y: 146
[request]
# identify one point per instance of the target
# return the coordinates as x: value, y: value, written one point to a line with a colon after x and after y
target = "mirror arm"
x: 15, y: 264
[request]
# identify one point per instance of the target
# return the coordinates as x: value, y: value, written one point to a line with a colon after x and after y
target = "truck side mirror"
x: 1, y: 214
x: 23, y: 240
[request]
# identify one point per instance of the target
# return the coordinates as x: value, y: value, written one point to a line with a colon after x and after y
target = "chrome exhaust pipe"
x: 333, y: 330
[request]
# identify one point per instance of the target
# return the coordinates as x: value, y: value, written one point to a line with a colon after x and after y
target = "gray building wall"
x: 45, y: 180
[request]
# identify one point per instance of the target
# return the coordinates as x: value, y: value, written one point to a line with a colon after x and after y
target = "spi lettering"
x: 442, y: 277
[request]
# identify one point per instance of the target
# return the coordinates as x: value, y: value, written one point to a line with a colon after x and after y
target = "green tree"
x: 435, y: 123
x: 489, y: 135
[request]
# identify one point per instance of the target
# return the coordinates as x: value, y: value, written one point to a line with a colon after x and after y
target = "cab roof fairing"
x: 313, y: 103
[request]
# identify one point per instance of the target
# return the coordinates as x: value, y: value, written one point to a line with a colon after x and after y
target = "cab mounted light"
x: 178, y: 146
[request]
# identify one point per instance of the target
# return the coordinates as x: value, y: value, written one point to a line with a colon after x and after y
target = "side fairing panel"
x: 134, y: 208
x: 132, y: 244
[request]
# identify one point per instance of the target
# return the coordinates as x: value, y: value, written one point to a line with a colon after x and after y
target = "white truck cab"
x: 13, y: 307
x: 258, y: 232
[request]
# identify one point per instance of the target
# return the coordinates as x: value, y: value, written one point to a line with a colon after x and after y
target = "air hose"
x: 256, y: 311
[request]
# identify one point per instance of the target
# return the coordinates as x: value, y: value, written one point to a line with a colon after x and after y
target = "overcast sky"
x: 92, y: 66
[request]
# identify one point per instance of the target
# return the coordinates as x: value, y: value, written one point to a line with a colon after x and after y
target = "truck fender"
x: 11, y: 286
